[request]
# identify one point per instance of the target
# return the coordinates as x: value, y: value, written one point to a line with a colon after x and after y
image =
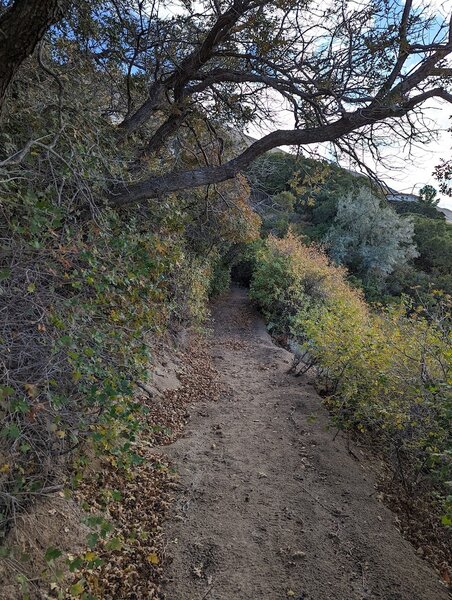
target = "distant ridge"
x: 446, y: 212
x: 392, y: 194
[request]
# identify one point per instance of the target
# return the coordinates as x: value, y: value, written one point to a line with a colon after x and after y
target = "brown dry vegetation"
x: 135, y: 503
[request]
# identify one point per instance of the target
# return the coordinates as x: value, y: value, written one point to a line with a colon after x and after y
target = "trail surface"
x: 271, y: 506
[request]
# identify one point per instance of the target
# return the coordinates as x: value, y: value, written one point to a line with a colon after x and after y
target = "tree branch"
x: 189, y: 66
x: 22, y: 26
x: 176, y: 181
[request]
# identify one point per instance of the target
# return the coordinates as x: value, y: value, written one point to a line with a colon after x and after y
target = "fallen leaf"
x: 90, y: 555
x: 153, y: 558
x: 78, y: 588
x: 445, y: 576
x: 31, y: 389
x: 198, y: 571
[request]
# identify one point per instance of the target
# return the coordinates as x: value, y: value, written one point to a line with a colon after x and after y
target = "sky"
x: 411, y: 171
x: 406, y: 170
x: 417, y: 170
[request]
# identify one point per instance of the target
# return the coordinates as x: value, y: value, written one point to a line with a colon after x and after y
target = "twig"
x: 208, y: 592
x: 333, y: 512
x: 145, y: 389
x: 54, y: 75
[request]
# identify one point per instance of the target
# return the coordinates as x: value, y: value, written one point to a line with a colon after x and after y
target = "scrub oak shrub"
x: 387, y: 370
x: 78, y: 310
x: 290, y: 277
x: 220, y: 279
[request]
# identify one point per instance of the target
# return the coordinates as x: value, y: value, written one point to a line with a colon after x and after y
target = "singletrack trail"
x: 271, y: 504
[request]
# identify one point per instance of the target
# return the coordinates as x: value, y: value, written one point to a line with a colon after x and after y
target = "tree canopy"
x: 354, y: 74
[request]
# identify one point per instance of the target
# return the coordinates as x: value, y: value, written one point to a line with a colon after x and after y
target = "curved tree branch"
x: 176, y: 181
x: 189, y: 65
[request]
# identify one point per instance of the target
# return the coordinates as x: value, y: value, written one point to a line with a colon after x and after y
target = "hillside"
x: 447, y: 213
x: 128, y: 206
x: 328, y: 204
x: 391, y: 194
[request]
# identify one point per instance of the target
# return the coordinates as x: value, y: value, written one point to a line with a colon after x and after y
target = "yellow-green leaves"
x: 387, y: 370
x: 153, y: 558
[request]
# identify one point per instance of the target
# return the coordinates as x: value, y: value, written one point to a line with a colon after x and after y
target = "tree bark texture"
x: 22, y: 26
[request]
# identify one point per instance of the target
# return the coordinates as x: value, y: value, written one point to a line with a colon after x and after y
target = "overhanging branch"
x: 175, y: 181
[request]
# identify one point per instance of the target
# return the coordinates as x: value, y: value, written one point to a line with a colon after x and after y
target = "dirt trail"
x: 271, y: 507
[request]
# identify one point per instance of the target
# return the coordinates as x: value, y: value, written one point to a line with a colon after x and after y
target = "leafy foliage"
x: 433, y: 239
x: 369, y: 238
x: 384, y: 254
x: 417, y: 208
x: 122, y: 102
x: 86, y: 290
x: 386, y: 371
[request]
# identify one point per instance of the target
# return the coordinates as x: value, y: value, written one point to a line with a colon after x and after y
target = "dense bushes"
x: 79, y: 310
x: 388, y: 247
x: 86, y: 289
x: 220, y: 280
x: 386, y: 371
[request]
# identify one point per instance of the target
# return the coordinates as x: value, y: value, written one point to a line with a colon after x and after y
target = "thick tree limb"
x: 22, y: 26
x: 176, y: 181
x: 166, y: 129
x: 172, y: 182
x: 139, y: 117
x: 189, y: 66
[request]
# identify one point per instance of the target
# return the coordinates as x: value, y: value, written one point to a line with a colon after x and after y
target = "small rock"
x: 197, y: 570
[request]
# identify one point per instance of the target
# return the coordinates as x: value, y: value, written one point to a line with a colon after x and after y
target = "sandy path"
x: 270, y: 506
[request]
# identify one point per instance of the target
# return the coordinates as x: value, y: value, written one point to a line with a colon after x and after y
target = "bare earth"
x: 270, y: 505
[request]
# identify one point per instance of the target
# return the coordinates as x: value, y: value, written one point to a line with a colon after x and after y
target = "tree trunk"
x: 22, y: 26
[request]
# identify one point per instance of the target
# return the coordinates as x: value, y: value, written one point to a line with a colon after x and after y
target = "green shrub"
x: 79, y: 309
x: 387, y: 371
x: 220, y: 278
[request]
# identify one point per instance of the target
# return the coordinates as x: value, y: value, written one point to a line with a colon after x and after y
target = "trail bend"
x: 271, y: 504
